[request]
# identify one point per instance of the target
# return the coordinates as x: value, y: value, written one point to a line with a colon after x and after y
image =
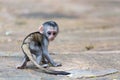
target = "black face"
x: 51, y: 33
x: 50, y: 29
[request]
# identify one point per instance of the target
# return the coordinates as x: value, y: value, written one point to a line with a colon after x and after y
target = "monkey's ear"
x: 41, y: 29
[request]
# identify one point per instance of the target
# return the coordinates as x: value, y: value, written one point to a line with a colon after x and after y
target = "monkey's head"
x: 49, y: 29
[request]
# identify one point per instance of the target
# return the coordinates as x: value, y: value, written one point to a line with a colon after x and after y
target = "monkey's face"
x: 51, y: 33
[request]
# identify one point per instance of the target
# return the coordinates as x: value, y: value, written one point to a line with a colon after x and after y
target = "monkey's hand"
x: 20, y: 67
x: 56, y: 64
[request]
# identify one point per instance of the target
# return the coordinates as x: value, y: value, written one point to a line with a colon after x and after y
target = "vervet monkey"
x: 37, y: 43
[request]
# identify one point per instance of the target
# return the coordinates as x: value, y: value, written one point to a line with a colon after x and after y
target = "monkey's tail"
x: 27, y: 52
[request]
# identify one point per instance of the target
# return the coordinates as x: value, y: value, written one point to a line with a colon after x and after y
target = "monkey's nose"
x: 51, y: 39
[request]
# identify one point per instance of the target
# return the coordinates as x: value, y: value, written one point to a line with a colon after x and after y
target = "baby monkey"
x: 37, y: 43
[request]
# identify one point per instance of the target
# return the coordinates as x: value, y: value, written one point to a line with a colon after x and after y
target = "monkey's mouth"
x: 51, y: 39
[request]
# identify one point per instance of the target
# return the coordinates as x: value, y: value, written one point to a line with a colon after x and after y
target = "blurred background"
x: 84, y: 24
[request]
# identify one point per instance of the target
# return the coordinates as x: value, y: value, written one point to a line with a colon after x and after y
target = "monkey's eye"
x: 54, y: 33
x: 49, y: 33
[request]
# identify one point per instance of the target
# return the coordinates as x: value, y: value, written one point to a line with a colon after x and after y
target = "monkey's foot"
x: 45, y: 65
x: 57, y: 64
x: 20, y: 67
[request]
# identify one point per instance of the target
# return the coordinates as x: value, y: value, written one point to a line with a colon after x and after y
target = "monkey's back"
x: 35, y: 36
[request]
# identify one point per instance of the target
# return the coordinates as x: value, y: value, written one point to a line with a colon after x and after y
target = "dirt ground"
x: 86, y: 26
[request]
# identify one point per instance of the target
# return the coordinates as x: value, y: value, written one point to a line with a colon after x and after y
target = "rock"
x: 7, y: 33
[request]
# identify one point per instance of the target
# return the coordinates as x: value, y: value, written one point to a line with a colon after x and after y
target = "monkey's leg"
x: 40, y: 58
x: 24, y: 63
x: 25, y: 60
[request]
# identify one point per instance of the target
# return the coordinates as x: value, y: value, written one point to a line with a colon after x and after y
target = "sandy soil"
x: 85, y: 25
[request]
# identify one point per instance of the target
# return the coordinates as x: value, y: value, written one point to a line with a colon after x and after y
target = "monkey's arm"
x: 47, y: 55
